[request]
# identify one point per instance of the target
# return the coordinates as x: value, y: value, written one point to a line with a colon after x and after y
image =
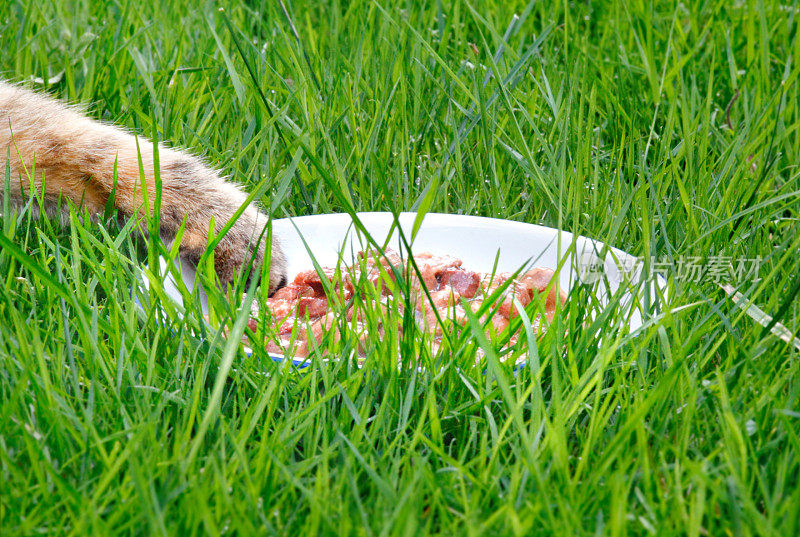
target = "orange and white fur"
x: 74, y: 157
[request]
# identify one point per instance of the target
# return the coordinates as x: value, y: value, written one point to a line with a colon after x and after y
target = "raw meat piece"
x: 441, y: 299
x: 292, y: 292
x: 311, y: 278
x: 536, y: 279
x: 499, y: 323
x: 387, y: 261
x: 280, y: 308
x: 490, y: 282
x: 431, y: 268
x: 312, y: 307
x: 507, y: 307
x: 461, y: 281
x: 316, y: 333
x: 374, y: 265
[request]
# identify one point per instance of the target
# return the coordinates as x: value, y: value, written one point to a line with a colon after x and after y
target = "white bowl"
x: 479, y: 242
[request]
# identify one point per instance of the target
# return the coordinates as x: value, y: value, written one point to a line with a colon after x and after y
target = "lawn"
x: 668, y: 129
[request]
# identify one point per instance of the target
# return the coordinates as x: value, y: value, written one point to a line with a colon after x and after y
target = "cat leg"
x: 76, y: 157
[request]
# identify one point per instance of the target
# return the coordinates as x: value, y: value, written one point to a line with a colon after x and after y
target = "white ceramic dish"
x: 478, y: 242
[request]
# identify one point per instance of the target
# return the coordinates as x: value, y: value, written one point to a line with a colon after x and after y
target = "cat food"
x: 307, y: 309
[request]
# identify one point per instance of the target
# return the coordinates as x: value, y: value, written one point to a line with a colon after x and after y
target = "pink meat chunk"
x: 280, y: 309
x: 536, y: 280
x: 316, y: 333
x: 446, y: 303
x: 463, y: 282
x: 431, y: 268
x: 490, y: 282
x: 441, y: 299
x: 387, y: 261
x: 292, y: 292
x: 528, y: 286
x: 312, y: 279
x: 288, y: 325
x: 373, y: 267
x: 311, y: 306
x: 507, y: 308
x: 499, y: 323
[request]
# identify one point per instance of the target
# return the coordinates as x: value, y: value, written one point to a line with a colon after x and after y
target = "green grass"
x: 670, y: 130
